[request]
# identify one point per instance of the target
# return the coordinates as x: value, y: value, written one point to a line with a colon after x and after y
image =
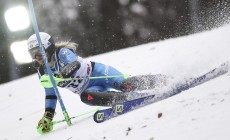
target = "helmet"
x: 47, y: 42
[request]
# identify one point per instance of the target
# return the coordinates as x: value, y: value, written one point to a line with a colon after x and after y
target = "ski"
x: 127, y: 106
x: 121, y: 108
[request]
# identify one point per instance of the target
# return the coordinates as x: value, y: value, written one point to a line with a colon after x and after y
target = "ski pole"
x: 77, y: 116
x: 45, y: 80
x: 101, y: 77
x: 96, y: 77
x: 33, y: 17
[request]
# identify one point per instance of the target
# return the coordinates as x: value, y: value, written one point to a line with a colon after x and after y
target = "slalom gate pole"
x: 34, y: 21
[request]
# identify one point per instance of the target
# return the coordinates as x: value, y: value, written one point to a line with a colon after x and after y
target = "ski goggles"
x: 34, y: 52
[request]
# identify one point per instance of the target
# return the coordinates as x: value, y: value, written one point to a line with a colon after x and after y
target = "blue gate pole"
x: 33, y: 18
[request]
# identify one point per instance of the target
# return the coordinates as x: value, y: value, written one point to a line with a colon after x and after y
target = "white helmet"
x: 47, y: 42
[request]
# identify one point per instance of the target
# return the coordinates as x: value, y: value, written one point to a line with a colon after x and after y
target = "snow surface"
x: 199, y: 113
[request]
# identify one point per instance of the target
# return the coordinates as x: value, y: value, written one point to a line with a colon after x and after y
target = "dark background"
x: 99, y: 26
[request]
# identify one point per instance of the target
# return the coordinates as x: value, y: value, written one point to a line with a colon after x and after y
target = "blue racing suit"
x: 64, y: 57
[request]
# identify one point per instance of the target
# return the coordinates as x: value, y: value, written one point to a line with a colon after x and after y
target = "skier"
x: 65, y: 63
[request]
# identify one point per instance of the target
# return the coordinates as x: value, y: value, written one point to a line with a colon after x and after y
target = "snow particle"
x: 128, y: 130
x: 159, y: 115
x: 212, y: 104
x: 144, y: 126
x: 20, y: 119
x: 69, y: 138
x: 153, y: 48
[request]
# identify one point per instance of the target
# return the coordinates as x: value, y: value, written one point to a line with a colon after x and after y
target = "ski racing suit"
x: 66, y: 56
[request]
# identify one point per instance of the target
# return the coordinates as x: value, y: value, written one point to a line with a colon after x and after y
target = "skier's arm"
x: 45, y: 125
x: 50, y: 100
x: 69, y: 59
x: 50, y: 97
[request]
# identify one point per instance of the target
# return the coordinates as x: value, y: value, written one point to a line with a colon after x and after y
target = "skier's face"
x: 39, y: 59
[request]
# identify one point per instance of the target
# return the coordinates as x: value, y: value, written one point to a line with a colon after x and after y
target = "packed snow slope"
x: 200, y: 113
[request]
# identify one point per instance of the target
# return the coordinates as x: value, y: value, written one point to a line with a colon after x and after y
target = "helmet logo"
x: 64, y: 52
x: 32, y: 44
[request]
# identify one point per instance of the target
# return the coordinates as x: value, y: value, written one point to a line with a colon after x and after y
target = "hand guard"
x: 69, y: 69
x: 45, y: 125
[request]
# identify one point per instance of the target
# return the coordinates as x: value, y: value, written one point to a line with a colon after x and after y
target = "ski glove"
x: 45, y: 125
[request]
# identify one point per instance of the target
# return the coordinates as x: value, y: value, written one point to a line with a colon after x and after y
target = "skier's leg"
x: 141, y: 82
x: 105, y: 70
x: 97, y: 97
